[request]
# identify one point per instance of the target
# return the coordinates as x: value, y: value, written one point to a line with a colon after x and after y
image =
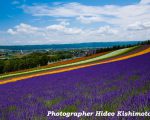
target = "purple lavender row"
x: 122, y: 85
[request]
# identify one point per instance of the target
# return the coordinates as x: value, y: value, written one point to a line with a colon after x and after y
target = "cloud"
x: 144, y: 2
x: 90, y: 19
x: 11, y: 31
x: 62, y: 27
x: 119, y: 15
x: 64, y: 22
x: 139, y: 26
x: 58, y: 33
x: 22, y: 29
x: 106, y: 30
x: 75, y: 22
x: 56, y: 27
x: 66, y: 10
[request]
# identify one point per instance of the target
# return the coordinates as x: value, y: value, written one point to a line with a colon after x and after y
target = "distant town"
x: 70, y: 53
x: 75, y: 50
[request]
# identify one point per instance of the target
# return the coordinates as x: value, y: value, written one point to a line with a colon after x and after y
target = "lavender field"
x: 122, y: 85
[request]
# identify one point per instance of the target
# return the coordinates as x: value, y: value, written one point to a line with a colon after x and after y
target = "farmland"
x: 102, y: 58
x: 75, y: 60
x: 118, y: 80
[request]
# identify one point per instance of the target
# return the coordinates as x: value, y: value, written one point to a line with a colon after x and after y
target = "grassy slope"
x: 58, y: 63
x: 24, y: 77
x: 105, y: 56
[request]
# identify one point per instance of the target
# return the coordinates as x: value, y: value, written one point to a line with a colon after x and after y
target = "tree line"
x: 30, y: 61
x: 99, y: 50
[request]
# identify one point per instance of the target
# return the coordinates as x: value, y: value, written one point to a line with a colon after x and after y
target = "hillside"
x: 121, y: 83
x: 112, y: 56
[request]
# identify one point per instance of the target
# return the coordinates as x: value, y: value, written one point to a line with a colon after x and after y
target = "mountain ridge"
x: 68, y: 46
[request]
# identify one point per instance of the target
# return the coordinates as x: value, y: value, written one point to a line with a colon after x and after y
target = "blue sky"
x: 73, y: 21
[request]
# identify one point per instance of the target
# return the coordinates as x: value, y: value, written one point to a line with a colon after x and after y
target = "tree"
x: 8, y: 66
x: 44, y: 60
x: 1, y: 66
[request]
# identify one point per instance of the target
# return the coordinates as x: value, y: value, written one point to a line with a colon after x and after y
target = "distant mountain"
x: 68, y: 46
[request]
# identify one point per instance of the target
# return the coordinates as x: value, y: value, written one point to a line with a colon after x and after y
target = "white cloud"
x: 90, y: 19
x: 75, y: 22
x: 139, y: 26
x: 66, y: 10
x: 55, y: 27
x: 62, y: 27
x: 106, y: 30
x: 81, y: 12
x: 145, y: 2
x: 22, y: 28
x: 65, y: 23
x: 112, y: 14
x: 57, y: 33
x: 11, y: 31
x: 61, y: 33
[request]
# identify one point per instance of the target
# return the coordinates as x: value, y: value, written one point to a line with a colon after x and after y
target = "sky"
x: 34, y: 22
